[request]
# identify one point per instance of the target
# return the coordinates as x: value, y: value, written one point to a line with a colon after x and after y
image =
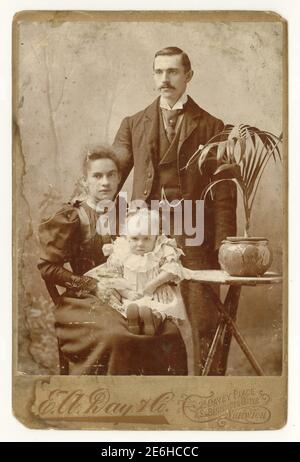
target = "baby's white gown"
x: 138, y: 270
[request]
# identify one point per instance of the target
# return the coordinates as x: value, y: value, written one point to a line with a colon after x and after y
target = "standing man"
x: 159, y: 141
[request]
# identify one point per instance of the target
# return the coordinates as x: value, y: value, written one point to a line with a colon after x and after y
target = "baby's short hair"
x: 143, y: 222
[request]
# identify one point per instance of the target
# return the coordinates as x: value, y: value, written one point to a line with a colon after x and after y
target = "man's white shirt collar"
x: 178, y: 105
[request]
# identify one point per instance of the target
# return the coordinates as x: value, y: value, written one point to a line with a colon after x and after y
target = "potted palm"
x: 242, y: 154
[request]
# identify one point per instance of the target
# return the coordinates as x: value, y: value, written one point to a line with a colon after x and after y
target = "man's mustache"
x: 167, y: 85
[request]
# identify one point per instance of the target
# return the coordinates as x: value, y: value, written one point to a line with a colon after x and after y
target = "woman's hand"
x: 115, y: 297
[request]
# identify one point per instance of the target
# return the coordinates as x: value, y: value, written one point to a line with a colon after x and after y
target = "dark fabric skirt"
x: 95, y: 340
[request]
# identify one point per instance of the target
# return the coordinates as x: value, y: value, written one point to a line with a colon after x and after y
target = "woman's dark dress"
x: 93, y: 336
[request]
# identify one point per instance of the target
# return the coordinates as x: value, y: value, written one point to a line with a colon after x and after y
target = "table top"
x: 221, y: 277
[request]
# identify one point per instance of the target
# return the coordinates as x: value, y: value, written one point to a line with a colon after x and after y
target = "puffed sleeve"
x: 59, y: 236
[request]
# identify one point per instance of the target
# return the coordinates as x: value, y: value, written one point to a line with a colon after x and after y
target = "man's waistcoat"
x: 138, y: 143
x: 167, y: 178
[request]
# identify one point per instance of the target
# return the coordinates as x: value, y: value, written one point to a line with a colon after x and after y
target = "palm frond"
x: 214, y: 139
x: 227, y: 171
x: 259, y: 175
x: 251, y: 159
x: 262, y: 159
x: 254, y: 174
x: 268, y: 139
x: 221, y: 151
x: 241, y: 154
x: 213, y: 183
x: 204, y: 154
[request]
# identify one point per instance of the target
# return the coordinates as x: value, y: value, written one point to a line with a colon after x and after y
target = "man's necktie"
x: 170, y: 118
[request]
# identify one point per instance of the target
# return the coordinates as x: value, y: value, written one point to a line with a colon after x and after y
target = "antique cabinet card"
x: 185, y: 111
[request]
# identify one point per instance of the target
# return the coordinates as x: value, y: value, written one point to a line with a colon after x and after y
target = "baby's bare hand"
x: 148, y: 292
x: 149, y: 289
x: 119, y: 284
x: 130, y: 294
x: 165, y: 294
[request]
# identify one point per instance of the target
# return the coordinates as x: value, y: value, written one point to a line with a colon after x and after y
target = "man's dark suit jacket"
x: 136, y: 144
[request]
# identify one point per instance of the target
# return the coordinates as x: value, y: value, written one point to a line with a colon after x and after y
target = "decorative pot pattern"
x: 240, y: 256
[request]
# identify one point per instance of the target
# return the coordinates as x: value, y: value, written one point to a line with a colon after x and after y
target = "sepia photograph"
x: 150, y: 219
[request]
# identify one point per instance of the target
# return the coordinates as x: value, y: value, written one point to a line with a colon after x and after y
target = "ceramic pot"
x: 240, y: 256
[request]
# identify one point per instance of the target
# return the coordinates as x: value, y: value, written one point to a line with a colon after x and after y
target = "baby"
x: 144, y: 267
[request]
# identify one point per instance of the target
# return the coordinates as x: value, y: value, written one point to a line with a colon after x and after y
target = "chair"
x: 63, y: 361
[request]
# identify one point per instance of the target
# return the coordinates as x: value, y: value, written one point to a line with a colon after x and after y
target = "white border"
x: 11, y: 429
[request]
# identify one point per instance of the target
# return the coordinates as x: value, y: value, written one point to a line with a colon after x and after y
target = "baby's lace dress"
x: 138, y: 270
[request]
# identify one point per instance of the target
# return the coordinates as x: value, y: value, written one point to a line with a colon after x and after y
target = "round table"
x: 228, y: 310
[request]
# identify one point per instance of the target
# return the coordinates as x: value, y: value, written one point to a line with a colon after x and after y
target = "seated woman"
x: 92, y: 336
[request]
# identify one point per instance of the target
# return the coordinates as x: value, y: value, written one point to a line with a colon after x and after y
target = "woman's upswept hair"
x: 103, y: 151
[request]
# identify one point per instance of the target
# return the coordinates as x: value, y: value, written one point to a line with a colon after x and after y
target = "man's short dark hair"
x: 99, y: 152
x: 171, y: 51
